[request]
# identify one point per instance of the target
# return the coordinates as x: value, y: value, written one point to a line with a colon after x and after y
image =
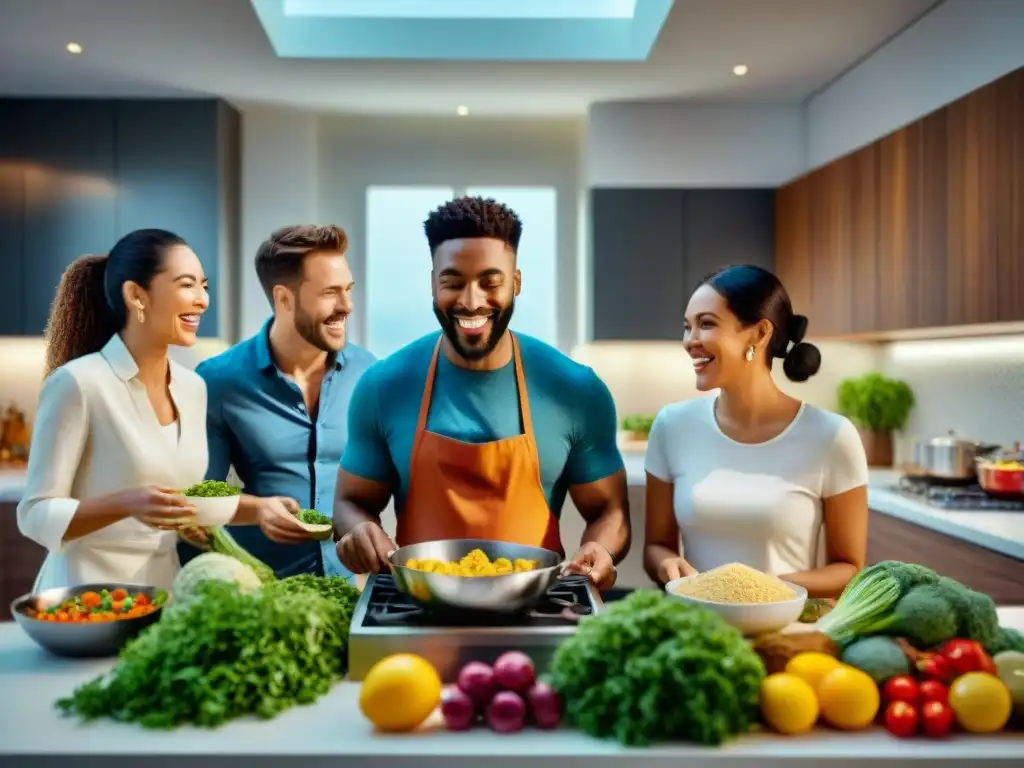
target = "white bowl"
x: 212, y: 511
x: 751, y: 619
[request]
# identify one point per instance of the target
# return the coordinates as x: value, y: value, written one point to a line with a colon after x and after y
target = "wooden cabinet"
x: 651, y: 247
x: 77, y: 174
x: 995, y: 574
x: 921, y: 229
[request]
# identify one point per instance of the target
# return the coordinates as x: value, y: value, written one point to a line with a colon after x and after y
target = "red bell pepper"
x: 965, y: 656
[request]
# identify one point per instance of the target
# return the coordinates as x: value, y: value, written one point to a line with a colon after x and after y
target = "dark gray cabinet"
x: 77, y: 174
x: 651, y: 247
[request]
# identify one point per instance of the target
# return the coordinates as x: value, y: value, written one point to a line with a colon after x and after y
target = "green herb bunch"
x: 226, y: 655
x: 212, y: 489
x: 649, y: 668
x: 312, y: 517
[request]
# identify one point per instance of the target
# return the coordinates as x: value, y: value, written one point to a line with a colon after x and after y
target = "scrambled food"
x: 735, y: 583
x: 105, y: 605
x: 1010, y: 465
x: 476, y: 563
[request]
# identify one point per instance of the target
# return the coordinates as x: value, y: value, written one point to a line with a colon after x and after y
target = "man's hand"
x: 276, y: 518
x: 592, y: 560
x: 365, y: 549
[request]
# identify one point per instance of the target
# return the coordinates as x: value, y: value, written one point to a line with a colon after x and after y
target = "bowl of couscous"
x: 751, y: 601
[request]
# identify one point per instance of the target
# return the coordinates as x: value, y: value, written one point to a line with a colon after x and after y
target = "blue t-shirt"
x: 572, y: 410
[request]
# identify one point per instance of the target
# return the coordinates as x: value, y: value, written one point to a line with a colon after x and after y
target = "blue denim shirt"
x: 257, y: 422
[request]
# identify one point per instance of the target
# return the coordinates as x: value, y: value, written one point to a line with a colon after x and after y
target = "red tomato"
x: 965, y: 656
x: 900, y: 688
x: 933, y: 690
x: 901, y: 719
x: 935, y: 668
x: 936, y: 718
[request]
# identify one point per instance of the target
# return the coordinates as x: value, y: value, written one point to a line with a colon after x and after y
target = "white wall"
x: 955, y: 49
x: 667, y: 144
x: 279, y: 187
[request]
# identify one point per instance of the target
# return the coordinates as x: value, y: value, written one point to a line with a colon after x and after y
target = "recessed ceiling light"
x: 462, y: 111
x: 74, y: 48
x: 739, y: 70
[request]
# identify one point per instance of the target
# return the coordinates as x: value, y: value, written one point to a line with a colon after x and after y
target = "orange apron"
x: 461, y: 490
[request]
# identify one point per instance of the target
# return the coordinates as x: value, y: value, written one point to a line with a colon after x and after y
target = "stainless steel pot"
x: 950, y: 458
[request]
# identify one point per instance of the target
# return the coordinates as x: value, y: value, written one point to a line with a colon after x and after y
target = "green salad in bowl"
x: 215, y: 501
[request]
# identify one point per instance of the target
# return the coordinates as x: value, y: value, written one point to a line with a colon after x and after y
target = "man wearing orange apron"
x: 479, y: 432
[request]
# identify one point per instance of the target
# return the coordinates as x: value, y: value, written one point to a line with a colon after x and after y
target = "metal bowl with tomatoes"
x: 90, y: 620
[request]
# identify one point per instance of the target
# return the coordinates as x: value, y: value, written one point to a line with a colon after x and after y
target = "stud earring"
x: 750, y: 354
x: 141, y: 315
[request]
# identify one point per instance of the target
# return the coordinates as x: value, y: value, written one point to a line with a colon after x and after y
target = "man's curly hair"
x: 468, y: 217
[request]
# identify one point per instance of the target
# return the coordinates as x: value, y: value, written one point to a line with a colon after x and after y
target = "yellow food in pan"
x: 476, y: 563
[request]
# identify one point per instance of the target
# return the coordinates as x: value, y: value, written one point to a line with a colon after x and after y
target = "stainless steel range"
x: 387, y: 621
x: 955, y: 497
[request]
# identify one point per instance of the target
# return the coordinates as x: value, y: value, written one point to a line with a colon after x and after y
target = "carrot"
x: 90, y: 599
x: 118, y: 595
x: 142, y: 599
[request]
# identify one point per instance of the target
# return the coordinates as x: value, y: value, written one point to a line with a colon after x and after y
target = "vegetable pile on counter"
x: 649, y: 668
x: 233, y: 641
x: 908, y: 600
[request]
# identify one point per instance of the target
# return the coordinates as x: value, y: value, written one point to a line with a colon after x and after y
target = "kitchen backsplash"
x: 974, y: 386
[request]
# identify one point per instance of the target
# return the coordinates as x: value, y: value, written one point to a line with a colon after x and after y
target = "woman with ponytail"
x: 120, y: 428
x: 753, y: 475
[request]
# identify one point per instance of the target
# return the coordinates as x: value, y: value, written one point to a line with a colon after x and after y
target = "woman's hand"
x: 156, y: 506
x: 674, y: 568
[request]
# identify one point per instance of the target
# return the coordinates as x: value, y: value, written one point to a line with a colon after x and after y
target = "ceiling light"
x: 739, y: 70
x: 462, y: 111
x: 74, y: 48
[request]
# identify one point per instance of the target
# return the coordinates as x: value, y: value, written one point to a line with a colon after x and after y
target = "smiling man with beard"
x: 278, y: 401
x: 477, y: 431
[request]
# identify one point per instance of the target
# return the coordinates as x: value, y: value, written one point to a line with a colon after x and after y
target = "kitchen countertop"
x: 1001, y: 532
x: 33, y: 733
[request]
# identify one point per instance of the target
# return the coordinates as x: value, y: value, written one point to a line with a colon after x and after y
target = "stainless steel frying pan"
x: 507, y: 593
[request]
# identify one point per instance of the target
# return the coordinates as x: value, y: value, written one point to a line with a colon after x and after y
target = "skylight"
x: 463, y: 9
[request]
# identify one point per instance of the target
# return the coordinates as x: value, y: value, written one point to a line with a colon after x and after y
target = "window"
x: 398, y: 303
x: 536, y: 306
x: 399, y: 309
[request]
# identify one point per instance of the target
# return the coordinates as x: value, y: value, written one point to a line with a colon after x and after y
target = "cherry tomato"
x: 933, y: 690
x: 936, y: 718
x: 901, y: 688
x: 935, y: 668
x: 901, y: 719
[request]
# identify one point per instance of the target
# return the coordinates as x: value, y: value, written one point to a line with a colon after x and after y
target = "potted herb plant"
x: 878, y: 406
x: 638, y: 427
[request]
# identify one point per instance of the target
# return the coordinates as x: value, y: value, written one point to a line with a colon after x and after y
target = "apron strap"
x: 524, y: 400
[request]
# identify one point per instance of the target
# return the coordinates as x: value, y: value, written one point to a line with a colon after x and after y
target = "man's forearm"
x: 611, y: 529
x: 348, y: 515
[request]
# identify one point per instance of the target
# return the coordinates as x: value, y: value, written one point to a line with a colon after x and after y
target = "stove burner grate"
x: 562, y: 604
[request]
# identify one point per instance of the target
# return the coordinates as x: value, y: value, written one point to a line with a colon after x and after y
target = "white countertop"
x: 32, y: 681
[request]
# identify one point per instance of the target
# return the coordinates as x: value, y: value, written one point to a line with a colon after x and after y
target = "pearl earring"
x: 750, y: 354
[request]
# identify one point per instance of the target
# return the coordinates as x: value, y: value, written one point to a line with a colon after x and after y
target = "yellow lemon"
x: 399, y: 692
x: 981, y: 702
x: 848, y: 698
x: 812, y: 666
x: 788, y: 703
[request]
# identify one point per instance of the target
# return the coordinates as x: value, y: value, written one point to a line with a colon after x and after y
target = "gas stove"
x: 387, y: 621
x: 955, y: 497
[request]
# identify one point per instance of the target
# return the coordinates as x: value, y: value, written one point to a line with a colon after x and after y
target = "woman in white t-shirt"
x: 753, y: 475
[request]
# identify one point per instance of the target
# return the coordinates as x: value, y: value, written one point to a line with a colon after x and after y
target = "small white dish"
x: 751, y: 619
x: 213, y: 511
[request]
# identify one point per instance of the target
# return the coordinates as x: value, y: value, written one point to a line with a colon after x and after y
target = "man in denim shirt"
x: 278, y: 401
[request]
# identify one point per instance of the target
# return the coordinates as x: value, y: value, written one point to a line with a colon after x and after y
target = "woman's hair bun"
x: 801, y: 362
x: 797, y: 328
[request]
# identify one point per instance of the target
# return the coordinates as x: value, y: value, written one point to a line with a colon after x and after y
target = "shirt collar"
x: 121, y: 361
x: 265, y: 361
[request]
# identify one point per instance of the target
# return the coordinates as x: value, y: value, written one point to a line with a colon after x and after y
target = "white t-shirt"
x: 757, y: 504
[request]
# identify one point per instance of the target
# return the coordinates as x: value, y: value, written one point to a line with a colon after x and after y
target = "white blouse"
x: 758, y: 504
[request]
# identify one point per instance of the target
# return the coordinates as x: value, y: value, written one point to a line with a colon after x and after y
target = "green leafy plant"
x: 638, y: 423
x: 875, y: 402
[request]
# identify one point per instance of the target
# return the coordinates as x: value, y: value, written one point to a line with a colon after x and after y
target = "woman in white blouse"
x: 753, y: 475
x: 120, y: 429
